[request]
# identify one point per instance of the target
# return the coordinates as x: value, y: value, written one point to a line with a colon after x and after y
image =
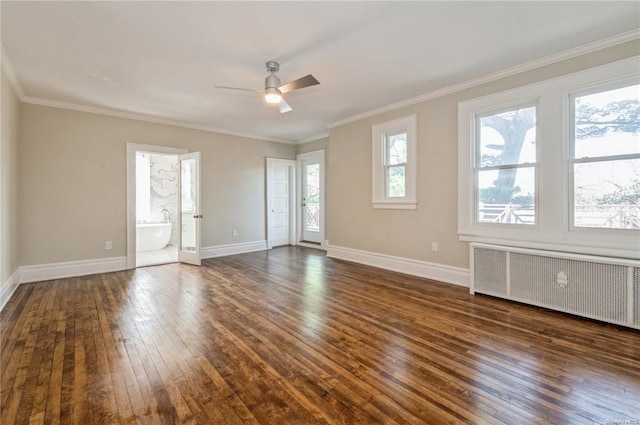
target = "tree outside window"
x: 606, y: 159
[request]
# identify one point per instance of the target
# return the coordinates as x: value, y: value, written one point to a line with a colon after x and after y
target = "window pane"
x: 188, y: 190
x: 506, y: 196
x: 397, y: 149
x: 396, y: 182
x: 608, y: 123
x: 607, y: 194
x: 312, y: 198
x: 508, y: 138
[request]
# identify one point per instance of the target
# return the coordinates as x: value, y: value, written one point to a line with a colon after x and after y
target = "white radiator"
x: 600, y: 288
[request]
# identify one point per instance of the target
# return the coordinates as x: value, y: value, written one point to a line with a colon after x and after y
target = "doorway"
x: 163, y: 205
x: 281, y: 202
x: 157, y: 234
x: 311, y: 196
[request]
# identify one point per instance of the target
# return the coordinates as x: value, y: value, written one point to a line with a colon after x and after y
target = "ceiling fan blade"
x: 239, y: 89
x: 284, y: 107
x: 300, y: 83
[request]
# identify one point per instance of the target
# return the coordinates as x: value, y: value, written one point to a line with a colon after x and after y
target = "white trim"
x: 50, y: 271
x: 319, y: 156
x: 145, y: 118
x: 13, y: 79
x: 9, y: 288
x: 440, y: 272
x: 232, y: 249
x: 132, y: 149
x: 310, y: 155
x: 527, y: 66
x: 560, y: 254
x: 391, y: 205
x: 579, y: 248
x: 508, y: 72
x: 11, y: 75
x: 379, y: 138
x: 321, y: 247
x: 313, y: 138
x: 42, y: 272
x: 553, y: 230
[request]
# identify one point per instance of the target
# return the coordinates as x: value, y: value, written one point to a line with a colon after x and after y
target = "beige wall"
x: 72, y: 170
x: 8, y: 183
x: 351, y: 220
x: 315, y: 145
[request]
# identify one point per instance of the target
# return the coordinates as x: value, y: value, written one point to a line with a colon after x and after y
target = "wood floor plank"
x: 289, y: 336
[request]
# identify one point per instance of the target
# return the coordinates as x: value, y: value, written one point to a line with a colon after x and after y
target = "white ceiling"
x: 162, y: 59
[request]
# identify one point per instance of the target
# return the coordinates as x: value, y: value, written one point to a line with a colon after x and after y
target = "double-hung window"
x: 555, y: 164
x: 605, y: 158
x: 505, y: 166
x: 394, y: 164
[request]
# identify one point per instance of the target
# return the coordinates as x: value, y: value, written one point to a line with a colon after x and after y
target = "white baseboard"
x: 9, y: 288
x: 311, y: 245
x: 231, y: 249
x: 441, y: 272
x: 42, y: 272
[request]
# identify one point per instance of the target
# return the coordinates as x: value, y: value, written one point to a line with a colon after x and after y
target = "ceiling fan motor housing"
x: 272, y: 81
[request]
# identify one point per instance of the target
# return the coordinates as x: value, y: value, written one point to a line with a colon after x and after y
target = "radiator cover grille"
x: 491, y: 271
x: 602, y: 289
x: 636, y: 297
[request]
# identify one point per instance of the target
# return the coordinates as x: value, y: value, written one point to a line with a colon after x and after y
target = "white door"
x: 280, y: 181
x: 190, y: 216
x: 311, y: 193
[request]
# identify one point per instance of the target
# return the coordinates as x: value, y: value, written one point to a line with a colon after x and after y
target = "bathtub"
x: 152, y: 236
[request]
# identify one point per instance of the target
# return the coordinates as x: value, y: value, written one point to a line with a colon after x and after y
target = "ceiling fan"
x: 273, y: 90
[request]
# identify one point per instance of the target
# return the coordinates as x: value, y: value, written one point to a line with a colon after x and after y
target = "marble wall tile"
x: 164, y: 191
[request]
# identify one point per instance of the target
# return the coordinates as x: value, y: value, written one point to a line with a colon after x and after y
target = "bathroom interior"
x: 157, y: 236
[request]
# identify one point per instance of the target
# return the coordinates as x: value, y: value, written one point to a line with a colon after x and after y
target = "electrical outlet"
x: 108, y: 245
x: 434, y: 246
x: 234, y: 233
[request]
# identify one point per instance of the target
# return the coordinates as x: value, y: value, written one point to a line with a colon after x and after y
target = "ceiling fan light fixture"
x: 272, y: 95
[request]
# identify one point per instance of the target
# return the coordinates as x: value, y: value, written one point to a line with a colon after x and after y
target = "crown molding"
x: 547, y: 60
x: 508, y: 72
x: 15, y: 83
x: 313, y: 138
x: 145, y: 118
x: 11, y: 75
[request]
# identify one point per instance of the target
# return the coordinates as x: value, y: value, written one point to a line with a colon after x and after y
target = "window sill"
x: 572, y: 246
x: 395, y: 205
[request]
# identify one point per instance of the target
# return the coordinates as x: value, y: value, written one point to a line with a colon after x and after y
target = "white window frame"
x: 478, y: 168
x: 380, y: 134
x: 554, y: 191
x: 598, y: 88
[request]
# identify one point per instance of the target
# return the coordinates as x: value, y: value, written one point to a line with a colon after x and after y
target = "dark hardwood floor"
x: 289, y: 336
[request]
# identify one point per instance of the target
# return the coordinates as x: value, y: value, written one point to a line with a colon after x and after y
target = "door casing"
x: 319, y: 156
x: 132, y: 150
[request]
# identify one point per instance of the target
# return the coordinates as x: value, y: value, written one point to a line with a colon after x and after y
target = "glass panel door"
x: 190, y: 216
x: 311, y: 210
